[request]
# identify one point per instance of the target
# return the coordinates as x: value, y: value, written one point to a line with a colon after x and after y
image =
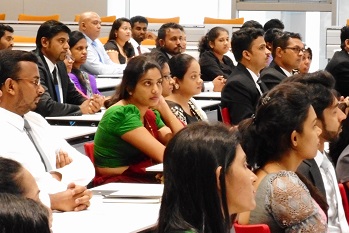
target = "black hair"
x: 191, y: 200
x: 266, y: 136
x: 274, y: 23
x: 4, y: 28
x: 164, y: 28
x: 138, y: 18
x: 242, y: 40
x: 134, y: 71
x: 179, y: 65
x: 252, y: 24
x: 22, y: 215
x: 11, y: 177
x: 211, y: 36
x: 50, y: 29
x: 9, y: 63
x: 344, y: 35
x: 128, y: 48
x: 282, y: 40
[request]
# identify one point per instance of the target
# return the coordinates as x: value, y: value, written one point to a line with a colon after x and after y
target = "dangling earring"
x: 176, y: 86
x: 130, y: 93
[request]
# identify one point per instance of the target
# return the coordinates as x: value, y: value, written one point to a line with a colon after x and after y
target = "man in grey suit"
x: 243, y: 88
x: 287, y: 54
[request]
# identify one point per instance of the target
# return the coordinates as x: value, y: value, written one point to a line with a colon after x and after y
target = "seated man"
x: 320, y: 170
x: 60, y: 97
x: 139, y: 25
x: 58, y: 168
x: 98, y: 61
x: 243, y: 89
x: 287, y: 51
x: 6, y: 37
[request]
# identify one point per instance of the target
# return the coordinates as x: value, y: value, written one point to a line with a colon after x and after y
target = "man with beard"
x: 169, y: 40
x: 320, y: 170
x: 6, y: 37
x: 60, y: 97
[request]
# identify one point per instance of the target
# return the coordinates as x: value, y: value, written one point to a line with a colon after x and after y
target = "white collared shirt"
x: 51, y: 67
x: 16, y: 145
x: 255, y: 79
x: 135, y: 45
x: 94, y: 66
x: 336, y: 217
x: 288, y: 74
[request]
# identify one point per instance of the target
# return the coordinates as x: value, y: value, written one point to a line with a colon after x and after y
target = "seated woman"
x: 22, y: 215
x: 132, y: 135
x: 187, y: 77
x: 307, y: 57
x: 206, y: 180
x: 277, y: 139
x: 84, y: 82
x: 118, y: 47
x: 167, y: 80
x: 212, y: 59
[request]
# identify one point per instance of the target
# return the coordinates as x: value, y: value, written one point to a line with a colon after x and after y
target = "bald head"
x: 90, y: 24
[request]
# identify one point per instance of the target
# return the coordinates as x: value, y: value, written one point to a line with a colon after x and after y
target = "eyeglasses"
x: 296, y: 49
x: 69, y: 58
x: 36, y: 81
x: 167, y: 77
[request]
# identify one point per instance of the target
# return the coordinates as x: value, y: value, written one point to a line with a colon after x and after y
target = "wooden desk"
x: 107, y: 218
x: 208, y: 96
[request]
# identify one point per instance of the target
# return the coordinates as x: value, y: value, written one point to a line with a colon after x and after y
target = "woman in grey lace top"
x: 282, y: 133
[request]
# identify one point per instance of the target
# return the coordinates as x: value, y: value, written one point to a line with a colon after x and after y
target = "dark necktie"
x: 55, y: 81
x: 139, y: 50
x: 32, y: 138
x: 262, y: 85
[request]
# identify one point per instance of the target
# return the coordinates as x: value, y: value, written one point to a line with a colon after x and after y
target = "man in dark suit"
x: 320, y: 170
x: 61, y: 97
x: 287, y: 54
x: 339, y: 64
x: 243, y: 89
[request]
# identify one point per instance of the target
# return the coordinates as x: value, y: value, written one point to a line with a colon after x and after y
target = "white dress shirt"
x: 51, y: 67
x: 336, y: 217
x: 16, y: 145
x: 255, y: 79
x: 135, y: 47
x: 93, y: 65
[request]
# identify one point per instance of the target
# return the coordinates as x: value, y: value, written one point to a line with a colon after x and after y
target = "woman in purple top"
x: 84, y: 82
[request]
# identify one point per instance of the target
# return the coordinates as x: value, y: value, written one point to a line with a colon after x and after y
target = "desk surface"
x: 85, y: 117
x: 107, y: 83
x: 155, y: 168
x: 74, y: 132
x: 206, y: 104
x: 208, y: 95
x: 107, y: 218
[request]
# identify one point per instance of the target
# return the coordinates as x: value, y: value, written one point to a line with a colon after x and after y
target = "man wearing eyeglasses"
x: 339, y: 64
x: 61, y: 97
x: 287, y: 52
x: 58, y: 168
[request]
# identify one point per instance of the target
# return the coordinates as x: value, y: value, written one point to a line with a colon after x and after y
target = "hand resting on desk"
x: 75, y: 198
